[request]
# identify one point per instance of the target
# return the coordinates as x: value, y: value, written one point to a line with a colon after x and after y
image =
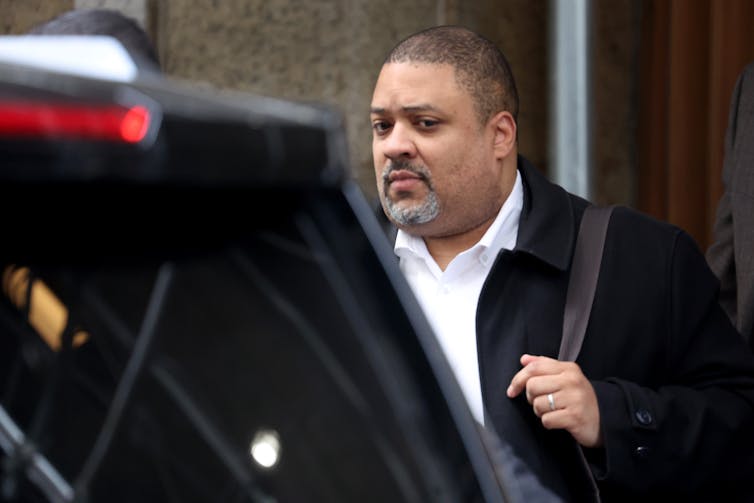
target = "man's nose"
x: 399, y: 143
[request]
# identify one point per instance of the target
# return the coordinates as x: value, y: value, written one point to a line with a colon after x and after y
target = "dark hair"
x: 480, y: 67
x: 104, y: 22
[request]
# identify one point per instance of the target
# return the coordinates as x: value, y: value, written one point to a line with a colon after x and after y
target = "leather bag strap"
x: 585, y: 269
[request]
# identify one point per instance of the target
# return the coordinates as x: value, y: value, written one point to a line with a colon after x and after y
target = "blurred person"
x: 44, y: 310
x: 105, y: 22
x: 731, y: 256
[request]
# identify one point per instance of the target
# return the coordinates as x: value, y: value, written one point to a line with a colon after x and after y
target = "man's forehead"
x: 416, y: 66
x: 415, y: 85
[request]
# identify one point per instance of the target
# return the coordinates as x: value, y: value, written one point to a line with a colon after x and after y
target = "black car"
x: 200, y: 305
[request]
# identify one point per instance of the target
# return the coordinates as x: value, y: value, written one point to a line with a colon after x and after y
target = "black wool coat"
x: 674, y: 380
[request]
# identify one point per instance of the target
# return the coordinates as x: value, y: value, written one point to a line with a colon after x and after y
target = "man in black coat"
x: 660, y: 402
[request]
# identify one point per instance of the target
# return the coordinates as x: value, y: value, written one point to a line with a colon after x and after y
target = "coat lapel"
x: 535, y: 275
x: 520, y: 311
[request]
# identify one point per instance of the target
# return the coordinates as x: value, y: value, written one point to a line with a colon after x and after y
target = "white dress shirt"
x: 449, y: 298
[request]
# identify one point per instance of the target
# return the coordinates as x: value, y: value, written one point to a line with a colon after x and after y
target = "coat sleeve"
x: 721, y: 255
x: 694, y: 430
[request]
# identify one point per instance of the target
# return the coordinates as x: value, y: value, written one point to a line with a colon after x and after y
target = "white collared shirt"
x: 449, y: 298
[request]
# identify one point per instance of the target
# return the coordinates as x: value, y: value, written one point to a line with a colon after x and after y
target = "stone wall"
x: 18, y: 16
x: 331, y: 51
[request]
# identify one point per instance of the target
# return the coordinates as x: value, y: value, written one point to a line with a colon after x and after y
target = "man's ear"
x: 504, y: 133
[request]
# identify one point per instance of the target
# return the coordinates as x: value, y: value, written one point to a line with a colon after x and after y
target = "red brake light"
x: 64, y: 120
x: 134, y: 125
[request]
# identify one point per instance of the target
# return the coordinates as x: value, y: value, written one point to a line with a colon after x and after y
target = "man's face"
x: 437, y: 174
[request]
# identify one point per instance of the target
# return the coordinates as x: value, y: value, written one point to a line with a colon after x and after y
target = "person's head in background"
x: 105, y: 22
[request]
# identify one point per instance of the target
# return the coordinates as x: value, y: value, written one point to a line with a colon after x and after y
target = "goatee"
x: 420, y: 213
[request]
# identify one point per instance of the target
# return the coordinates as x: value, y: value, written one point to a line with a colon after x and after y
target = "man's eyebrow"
x: 408, y: 109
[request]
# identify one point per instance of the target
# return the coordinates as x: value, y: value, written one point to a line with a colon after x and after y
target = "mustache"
x: 403, y: 165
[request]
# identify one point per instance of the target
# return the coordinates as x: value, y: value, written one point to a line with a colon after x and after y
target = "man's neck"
x: 444, y: 249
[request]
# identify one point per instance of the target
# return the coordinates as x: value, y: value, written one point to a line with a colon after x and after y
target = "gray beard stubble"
x: 425, y: 212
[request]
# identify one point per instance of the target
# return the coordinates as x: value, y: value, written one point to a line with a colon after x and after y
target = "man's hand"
x: 571, y: 404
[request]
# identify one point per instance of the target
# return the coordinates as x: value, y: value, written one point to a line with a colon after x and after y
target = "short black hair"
x: 480, y: 66
x: 104, y: 22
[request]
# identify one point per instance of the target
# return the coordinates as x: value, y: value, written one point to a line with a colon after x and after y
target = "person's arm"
x: 696, y: 429
x: 720, y: 255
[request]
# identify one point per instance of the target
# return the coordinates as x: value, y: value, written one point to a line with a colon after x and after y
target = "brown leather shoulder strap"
x: 585, y: 269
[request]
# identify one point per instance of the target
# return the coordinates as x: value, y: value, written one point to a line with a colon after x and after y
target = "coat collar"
x: 547, y: 228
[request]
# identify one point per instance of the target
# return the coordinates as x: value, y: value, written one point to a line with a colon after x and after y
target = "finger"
x: 527, y: 359
x: 544, y: 404
x: 550, y: 402
x: 563, y: 375
x: 518, y: 383
x: 541, y: 385
x: 565, y: 419
x: 576, y: 413
x: 534, y: 366
x: 559, y: 419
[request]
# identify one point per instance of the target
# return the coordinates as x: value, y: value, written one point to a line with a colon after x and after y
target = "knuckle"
x: 572, y: 370
x: 531, y: 385
x: 548, y: 422
x: 571, y: 377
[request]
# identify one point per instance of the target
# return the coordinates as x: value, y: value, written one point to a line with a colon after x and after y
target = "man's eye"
x: 380, y: 126
x: 428, y: 123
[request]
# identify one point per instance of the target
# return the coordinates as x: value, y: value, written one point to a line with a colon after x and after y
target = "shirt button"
x: 642, y: 452
x: 643, y: 416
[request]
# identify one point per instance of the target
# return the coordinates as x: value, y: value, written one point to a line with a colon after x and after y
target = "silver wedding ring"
x: 551, y: 401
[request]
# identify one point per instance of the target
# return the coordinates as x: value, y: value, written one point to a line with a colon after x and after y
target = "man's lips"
x: 403, y: 174
x: 404, y: 180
